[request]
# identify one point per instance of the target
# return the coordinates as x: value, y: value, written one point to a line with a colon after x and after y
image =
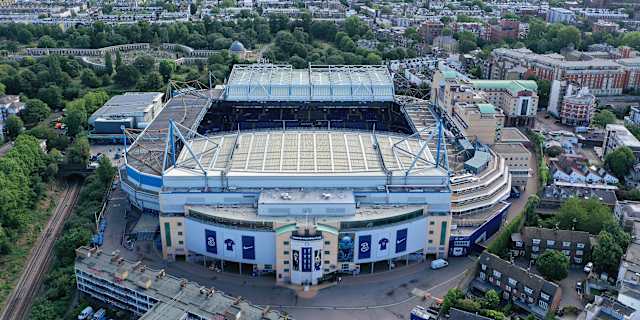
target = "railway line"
x: 19, y: 302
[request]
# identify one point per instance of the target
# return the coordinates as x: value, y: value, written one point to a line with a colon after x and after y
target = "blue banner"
x: 364, y: 247
x: 211, y: 242
x: 306, y: 260
x: 401, y: 240
x: 248, y: 248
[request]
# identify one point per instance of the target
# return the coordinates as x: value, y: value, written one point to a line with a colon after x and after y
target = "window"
x: 497, y: 274
x: 430, y: 231
x: 566, y: 244
x: 543, y: 305
x: 326, y: 243
x: 167, y: 234
x: 579, y: 252
x: 507, y: 288
x: 580, y: 245
x: 528, y: 290
x: 180, y: 242
x: 577, y: 259
x: 327, y: 252
x: 327, y: 262
x: 566, y: 252
x: 544, y: 296
x: 286, y: 262
x: 432, y: 223
x: 286, y: 270
x: 551, y: 243
x: 179, y: 224
x: 497, y: 282
x: 344, y: 267
x: 286, y: 243
x: 430, y: 241
x: 286, y: 252
x: 536, y: 241
x: 484, y: 267
x: 326, y: 270
x: 179, y: 233
x: 483, y: 276
x: 268, y: 267
x: 512, y: 282
x: 535, y: 249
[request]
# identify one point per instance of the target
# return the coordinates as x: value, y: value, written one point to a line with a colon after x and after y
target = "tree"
x: 52, y: 96
x: 75, y: 117
x: 491, y: 299
x: 89, y: 79
x: 451, y: 299
x: 35, y: 110
x: 607, y: 253
x: 166, y: 69
x: 79, y: 151
x: 108, y: 63
x: 144, y: 63
x: 588, y: 215
x: 631, y: 39
x: 153, y: 81
x: 603, y: 118
x: 620, y: 161
x: 127, y: 76
x: 14, y: 126
x: 553, y: 265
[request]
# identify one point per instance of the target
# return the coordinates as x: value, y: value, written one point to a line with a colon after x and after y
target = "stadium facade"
x: 261, y: 176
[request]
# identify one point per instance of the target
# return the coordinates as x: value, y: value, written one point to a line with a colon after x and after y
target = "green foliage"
x: 35, y: 111
x: 14, y: 126
x: 631, y: 39
x: 90, y: 79
x: 589, y: 215
x: 492, y: 299
x: 603, y: 118
x: 607, y: 253
x: 166, y: 69
x: 553, y: 37
x: 151, y: 82
x: 451, y: 299
x: 75, y: 117
x: 500, y: 245
x: 52, y: 96
x: 553, y: 265
x: 620, y: 161
x: 127, y: 76
x: 79, y: 151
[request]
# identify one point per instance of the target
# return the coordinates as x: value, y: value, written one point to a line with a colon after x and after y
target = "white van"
x: 439, y: 264
x: 86, y: 313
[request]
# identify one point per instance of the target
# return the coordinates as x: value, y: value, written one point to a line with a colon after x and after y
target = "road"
x: 19, y: 302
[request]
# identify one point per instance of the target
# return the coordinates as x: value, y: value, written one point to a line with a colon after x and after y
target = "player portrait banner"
x: 317, y: 260
x: 295, y: 256
x: 364, y: 247
x: 211, y: 242
x: 401, y: 240
x: 248, y: 247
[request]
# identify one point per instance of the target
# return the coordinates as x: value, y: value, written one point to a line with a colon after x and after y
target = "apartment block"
x: 532, y: 242
x: 523, y: 289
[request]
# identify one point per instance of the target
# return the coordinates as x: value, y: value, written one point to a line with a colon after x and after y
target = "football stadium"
x: 305, y: 174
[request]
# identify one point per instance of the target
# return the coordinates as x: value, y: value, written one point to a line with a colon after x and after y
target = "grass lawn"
x: 11, y: 265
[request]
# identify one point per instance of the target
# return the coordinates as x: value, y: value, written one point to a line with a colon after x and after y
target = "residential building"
x: 628, y: 280
x: 560, y: 15
x: 616, y: 136
x: 532, y: 242
x: 605, y: 308
x: 446, y: 43
x: 505, y: 30
x: 578, y: 107
x: 628, y: 213
x: 517, y: 158
x: 605, y: 26
x: 523, y: 289
x: 151, y: 294
x: 634, y: 116
x: 9, y: 105
x: 481, y: 121
x: 603, y: 77
x: 518, y: 99
x: 430, y: 30
x: 570, y: 168
x: 553, y: 196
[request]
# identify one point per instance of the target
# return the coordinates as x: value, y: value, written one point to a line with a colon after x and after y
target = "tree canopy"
x: 553, y: 265
x: 603, y: 118
x: 620, y: 161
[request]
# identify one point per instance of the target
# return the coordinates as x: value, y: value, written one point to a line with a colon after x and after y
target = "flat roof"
x: 510, y: 134
x: 513, y: 86
x: 310, y: 152
x: 176, y: 297
x: 486, y: 108
x: 502, y: 148
x: 128, y: 104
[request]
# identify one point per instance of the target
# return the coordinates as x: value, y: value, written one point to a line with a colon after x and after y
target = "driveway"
x: 569, y: 294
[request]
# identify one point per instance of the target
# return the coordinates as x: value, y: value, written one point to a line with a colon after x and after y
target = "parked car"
x: 579, y: 287
x: 439, y: 264
x: 588, y: 267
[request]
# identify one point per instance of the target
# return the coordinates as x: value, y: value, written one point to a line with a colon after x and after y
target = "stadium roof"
x: 310, y: 152
x: 268, y: 82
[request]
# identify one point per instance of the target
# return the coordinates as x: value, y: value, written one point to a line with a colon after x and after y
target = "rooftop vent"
x: 285, y: 196
x: 326, y: 196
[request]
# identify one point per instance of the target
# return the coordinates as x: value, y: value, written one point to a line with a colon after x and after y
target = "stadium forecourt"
x: 302, y: 173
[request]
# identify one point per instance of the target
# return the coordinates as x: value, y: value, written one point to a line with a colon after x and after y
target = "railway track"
x: 19, y: 302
